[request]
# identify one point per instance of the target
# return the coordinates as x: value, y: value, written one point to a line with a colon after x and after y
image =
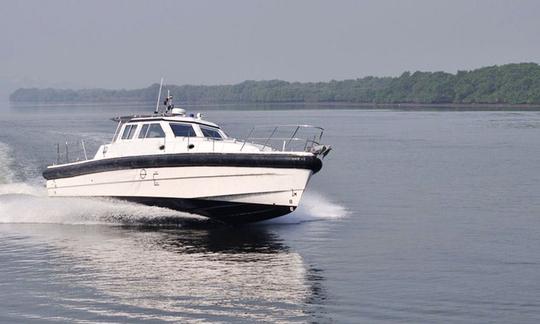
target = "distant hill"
x: 504, y: 84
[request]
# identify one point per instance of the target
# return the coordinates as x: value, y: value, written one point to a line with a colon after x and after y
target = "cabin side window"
x: 210, y: 132
x: 155, y: 131
x: 129, y: 132
x: 132, y: 131
x: 183, y: 130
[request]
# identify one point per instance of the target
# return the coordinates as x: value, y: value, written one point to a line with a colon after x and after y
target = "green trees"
x: 508, y: 84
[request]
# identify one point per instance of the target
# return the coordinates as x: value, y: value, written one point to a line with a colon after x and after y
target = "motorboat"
x: 181, y: 161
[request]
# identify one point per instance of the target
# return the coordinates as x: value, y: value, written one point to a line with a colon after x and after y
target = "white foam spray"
x: 313, y: 207
x: 6, y: 173
x: 22, y: 203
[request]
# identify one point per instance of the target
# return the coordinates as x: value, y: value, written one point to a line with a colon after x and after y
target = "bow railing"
x: 284, y: 138
x: 69, y: 152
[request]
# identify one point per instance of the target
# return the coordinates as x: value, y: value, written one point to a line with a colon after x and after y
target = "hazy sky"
x: 129, y: 44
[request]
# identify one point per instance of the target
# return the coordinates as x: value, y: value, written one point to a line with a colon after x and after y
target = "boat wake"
x: 22, y: 203
x: 6, y: 175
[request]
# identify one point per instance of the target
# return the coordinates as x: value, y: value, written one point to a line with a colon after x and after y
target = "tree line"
x: 505, y: 84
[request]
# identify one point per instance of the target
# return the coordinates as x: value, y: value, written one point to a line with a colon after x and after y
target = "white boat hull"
x: 229, y: 193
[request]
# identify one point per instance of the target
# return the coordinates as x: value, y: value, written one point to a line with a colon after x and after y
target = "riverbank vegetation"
x: 504, y: 84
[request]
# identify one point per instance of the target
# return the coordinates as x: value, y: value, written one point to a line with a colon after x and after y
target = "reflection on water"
x: 119, y: 274
x: 223, y: 241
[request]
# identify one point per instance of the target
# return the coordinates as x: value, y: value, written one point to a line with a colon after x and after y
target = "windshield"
x: 211, y: 132
x: 183, y: 130
x: 155, y: 131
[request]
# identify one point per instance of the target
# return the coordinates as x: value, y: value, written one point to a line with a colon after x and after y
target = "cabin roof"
x: 171, y: 118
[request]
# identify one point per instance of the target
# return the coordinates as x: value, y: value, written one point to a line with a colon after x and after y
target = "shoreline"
x: 338, y: 105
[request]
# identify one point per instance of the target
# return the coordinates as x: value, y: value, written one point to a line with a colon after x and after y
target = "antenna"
x: 168, y: 101
x: 159, y: 97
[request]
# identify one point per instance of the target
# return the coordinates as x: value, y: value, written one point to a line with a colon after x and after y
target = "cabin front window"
x: 210, y: 132
x: 144, y: 130
x: 155, y: 131
x: 183, y: 130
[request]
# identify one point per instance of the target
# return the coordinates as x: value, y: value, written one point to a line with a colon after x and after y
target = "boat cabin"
x: 162, y: 127
x: 141, y: 135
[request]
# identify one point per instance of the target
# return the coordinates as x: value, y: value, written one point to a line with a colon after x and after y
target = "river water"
x: 416, y: 216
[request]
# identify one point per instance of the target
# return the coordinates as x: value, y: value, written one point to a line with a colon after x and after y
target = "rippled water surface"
x: 417, y: 216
